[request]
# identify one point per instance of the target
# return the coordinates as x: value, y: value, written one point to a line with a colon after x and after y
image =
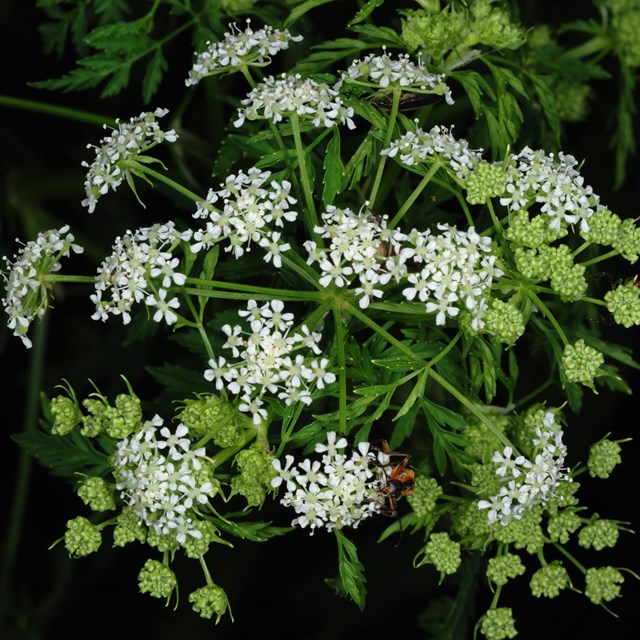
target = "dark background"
x: 278, y: 586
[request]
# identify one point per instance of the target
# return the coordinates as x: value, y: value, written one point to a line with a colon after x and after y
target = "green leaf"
x: 380, y: 36
x: 153, y: 75
x: 254, y: 531
x: 210, y: 262
x: 303, y: 8
x: 415, y: 395
x: 351, y: 580
x: 365, y: 12
x: 333, y: 169
x: 68, y: 455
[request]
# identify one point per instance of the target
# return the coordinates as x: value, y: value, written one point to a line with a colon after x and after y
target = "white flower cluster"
x: 553, y: 182
x: 248, y: 47
x: 157, y: 475
x: 140, y: 269
x: 287, y: 95
x: 125, y: 144
x: 446, y: 271
x: 26, y: 291
x: 336, y: 491
x: 251, y: 204
x: 528, y: 483
x: 385, y: 71
x: 359, y: 246
x: 420, y: 146
x: 268, y: 363
x: 457, y: 271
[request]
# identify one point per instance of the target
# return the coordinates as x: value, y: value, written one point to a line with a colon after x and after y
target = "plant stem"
x: 412, y: 198
x: 393, y: 114
x: 309, y: 213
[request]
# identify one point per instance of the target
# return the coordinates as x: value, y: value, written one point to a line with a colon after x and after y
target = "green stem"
x: 412, y: 198
x: 201, y: 330
x: 340, y: 340
x: 387, y: 141
x: 160, y: 177
x: 219, y: 288
x: 55, y: 110
x: 205, y: 570
x: 565, y: 553
x: 547, y: 313
x: 18, y: 505
x: 434, y: 375
x: 309, y: 213
x: 605, y: 256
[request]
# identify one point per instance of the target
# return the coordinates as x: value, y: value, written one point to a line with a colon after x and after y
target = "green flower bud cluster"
x: 599, y: 535
x: 66, y: 415
x: 197, y: 547
x: 492, y: 26
x: 129, y: 528
x: 97, y: 493
x: 210, y: 414
x: 525, y: 533
x: 156, y: 579
x: 504, y: 320
x: 604, y: 226
x: 471, y: 523
x: 487, y: 181
x: 503, y: 568
x: 434, y: 31
x: 210, y: 600
x: 531, y: 232
x: 604, y: 456
x: 443, y: 552
x: 426, y: 492
x: 118, y: 422
x: 608, y: 229
x: 81, y: 538
x: 572, y: 99
x: 625, y: 27
x: 256, y: 473
x: 498, y: 624
x: 562, y: 524
x: 623, y: 303
x: 482, y: 442
x: 627, y: 240
x: 439, y: 32
x: 549, y: 581
x: 164, y: 543
x: 603, y: 584
x: 581, y: 363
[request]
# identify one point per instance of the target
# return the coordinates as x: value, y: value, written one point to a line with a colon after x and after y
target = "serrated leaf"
x: 365, y: 12
x: 153, y: 76
x: 64, y: 456
x: 351, y: 581
x: 254, y: 531
x: 380, y: 35
x: 303, y: 8
x: 416, y: 393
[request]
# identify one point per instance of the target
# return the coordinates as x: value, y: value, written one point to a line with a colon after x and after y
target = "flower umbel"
x: 240, y: 49
x: 118, y: 150
x: 339, y: 490
x: 27, y: 292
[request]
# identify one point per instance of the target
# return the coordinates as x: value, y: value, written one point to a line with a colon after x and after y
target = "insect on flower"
x: 399, y: 477
x: 409, y: 101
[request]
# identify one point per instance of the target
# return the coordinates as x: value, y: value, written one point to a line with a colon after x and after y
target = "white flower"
x: 117, y: 150
x: 240, y: 48
x: 158, y: 491
x: 27, y: 293
x: 287, y: 95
